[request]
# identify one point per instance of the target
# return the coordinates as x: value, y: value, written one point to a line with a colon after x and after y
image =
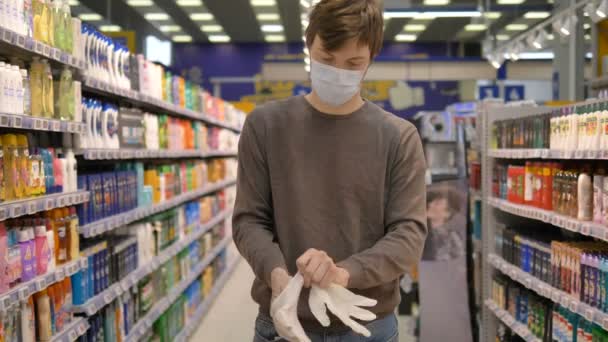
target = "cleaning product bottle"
x: 65, y: 105
x: 28, y: 18
x: 2, y: 174
x: 48, y: 90
x: 35, y: 163
x: 28, y: 321
x: 24, y: 164
x: 70, y: 184
x: 50, y: 239
x: 61, y: 237
x: 42, y: 248
x: 27, y: 97
x: 58, y: 168
x: 43, y: 316
x: 585, y: 197
x: 28, y: 269
x: 67, y: 27
x: 13, y: 189
x: 74, y: 237
x: 58, y: 27
x: 47, y: 162
x: 4, y: 279
x: 36, y: 87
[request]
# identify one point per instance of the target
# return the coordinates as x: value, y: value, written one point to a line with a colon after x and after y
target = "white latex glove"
x: 284, y: 311
x: 342, y: 303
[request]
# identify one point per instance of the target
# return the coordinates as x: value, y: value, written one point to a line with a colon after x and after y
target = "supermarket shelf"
x: 524, y: 153
x: 34, y: 205
x: 104, y: 88
x: 106, y: 297
x: 23, y: 291
x: 588, y: 228
x: 22, y: 46
x: 77, y: 328
x: 116, y: 221
x: 146, y: 322
x: 519, y: 328
x: 547, y: 291
x: 112, y: 154
x: 40, y: 124
x: 195, y: 321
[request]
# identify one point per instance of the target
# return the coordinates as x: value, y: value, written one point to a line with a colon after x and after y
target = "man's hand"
x: 318, y: 268
x: 279, y: 279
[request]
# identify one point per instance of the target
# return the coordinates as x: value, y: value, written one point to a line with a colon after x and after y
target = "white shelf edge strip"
x: 40, y: 124
x: 27, y: 43
x: 146, y: 322
x: 546, y: 290
x: 125, y: 153
x: 194, y: 321
x: 519, y: 328
x: 34, y: 205
x: 115, y: 221
x: 588, y: 228
x: 77, y: 328
x: 155, y: 102
x: 104, y: 298
x: 543, y: 153
x: 25, y: 290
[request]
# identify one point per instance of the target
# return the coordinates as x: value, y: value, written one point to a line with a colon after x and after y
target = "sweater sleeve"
x: 404, y: 221
x: 253, y: 226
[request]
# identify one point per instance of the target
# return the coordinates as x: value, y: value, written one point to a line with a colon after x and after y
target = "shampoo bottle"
x: 585, y: 197
x: 42, y: 248
x: 28, y: 321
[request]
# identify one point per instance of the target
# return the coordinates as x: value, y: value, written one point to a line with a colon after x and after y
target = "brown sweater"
x: 352, y: 186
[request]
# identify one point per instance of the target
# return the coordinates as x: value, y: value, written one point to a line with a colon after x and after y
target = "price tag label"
x: 108, y: 298
x: 24, y: 293
x: 16, y: 210
x: 39, y: 47
x: 61, y: 201
x: 2, y: 214
x: 60, y: 274
x: 589, y: 315
x: 41, y: 284
x: 49, y: 204
x: 7, y: 36
x: 82, y: 328
x: 37, y: 124
x: 91, y: 309
x: 17, y: 122
x: 57, y: 54
x: 574, y: 306
x: 56, y: 126
x: 605, y: 323
x: 117, y: 291
x: 4, y: 121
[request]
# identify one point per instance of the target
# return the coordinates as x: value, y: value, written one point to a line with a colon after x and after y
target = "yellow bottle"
x: 36, y: 88
x: 24, y: 164
x: 50, y: 22
x: 11, y: 154
x: 48, y: 98
x: 41, y: 21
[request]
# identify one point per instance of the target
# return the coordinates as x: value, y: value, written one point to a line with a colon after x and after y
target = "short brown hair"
x: 336, y: 21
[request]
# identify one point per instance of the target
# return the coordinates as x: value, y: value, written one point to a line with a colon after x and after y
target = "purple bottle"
x: 28, y: 269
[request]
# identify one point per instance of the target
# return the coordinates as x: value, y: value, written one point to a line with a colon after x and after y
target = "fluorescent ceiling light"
x: 156, y: 16
x: 170, y: 28
x: 492, y: 15
x: 90, y: 17
x: 109, y: 28
x: 306, y: 51
x: 406, y: 37
x: 550, y: 36
x: 537, y: 15
x: 263, y: 3
x: 189, y: 3
x: 307, y: 60
x: 502, y: 37
x: 182, y: 38
x: 268, y: 16
x: 475, y: 27
x: 307, y: 68
x: 274, y: 38
x: 516, y: 27
x: 272, y: 28
x: 536, y: 55
x: 211, y: 28
x: 602, y: 9
x: 219, y: 38
x: 436, y: 2
x: 510, y: 2
x: 74, y: 2
x: 414, y: 27
x: 305, y: 3
x: 586, y: 26
x: 201, y: 16
x: 304, y: 22
x: 587, y: 37
x: 140, y: 3
x: 432, y: 14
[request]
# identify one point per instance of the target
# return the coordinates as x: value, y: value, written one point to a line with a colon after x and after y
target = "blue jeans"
x: 383, y: 330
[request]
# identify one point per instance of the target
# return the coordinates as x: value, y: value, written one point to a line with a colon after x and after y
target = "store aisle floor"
x: 232, y: 315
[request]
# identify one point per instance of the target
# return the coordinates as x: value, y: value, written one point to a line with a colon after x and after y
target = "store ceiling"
x: 219, y: 21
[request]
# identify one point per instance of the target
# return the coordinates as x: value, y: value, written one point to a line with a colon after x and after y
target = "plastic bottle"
x: 74, y: 237
x: 67, y: 27
x: 585, y: 197
x: 58, y: 27
x: 24, y: 165
x: 28, y: 18
x: 50, y: 238
x: 36, y: 87
x: 61, y: 237
x: 47, y: 161
x: 28, y: 321
x: 25, y: 92
x: 4, y: 280
x: 71, y: 171
x: 47, y: 90
x: 3, y: 99
x: 28, y: 268
x: 65, y: 105
x: 43, y: 316
x: 13, y: 189
x: 42, y: 248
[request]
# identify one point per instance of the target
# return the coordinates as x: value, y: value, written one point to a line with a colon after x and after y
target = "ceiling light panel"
x: 109, y: 28
x: 201, y: 16
x: 90, y: 17
x: 503, y: 37
x: 189, y: 3
x: 475, y: 27
x: 274, y: 38
x: 511, y: 2
x: 263, y: 3
x: 74, y: 3
x: 170, y: 28
x: 211, y: 28
x: 492, y: 15
x: 219, y: 38
x: 516, y: 27
x: 272, y: 28
x: 414, y: 28
x: 537, y: 15
x: 268, y: 16
x: 406, y: 37
x: 140, y: 3
x: 436, y: 2
x: 182, y: 38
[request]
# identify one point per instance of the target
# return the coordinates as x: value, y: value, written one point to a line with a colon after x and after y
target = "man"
x: 329, y: 184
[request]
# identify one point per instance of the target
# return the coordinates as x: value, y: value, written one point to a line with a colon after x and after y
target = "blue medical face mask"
x: 335, y: 86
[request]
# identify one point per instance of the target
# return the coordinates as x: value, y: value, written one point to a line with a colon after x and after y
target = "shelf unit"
x: 75, y: 329
x: 546, y: 290
x: 145, y: 101
x: 22, y: 46
x: 29, y: 206
x: 525, y: 153
x: 517, y: 327
x: 106, y: 297
x: 33, y: 123
x: 204, y: 307
x: 116, y: 221
x: 125, y: 153
x: 146, y: 322
x: 41, y: 282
